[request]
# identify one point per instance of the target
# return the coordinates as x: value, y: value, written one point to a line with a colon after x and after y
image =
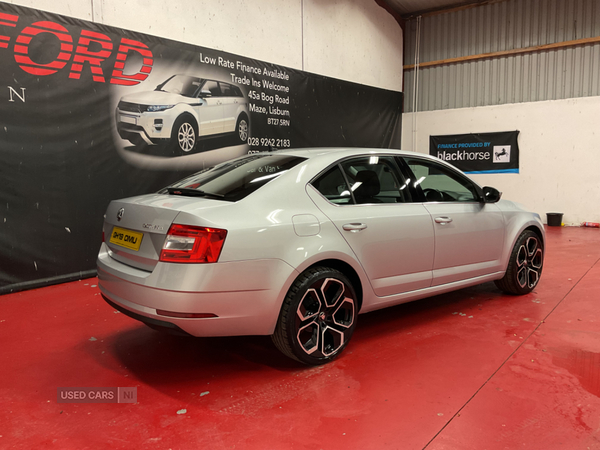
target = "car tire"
x: 184, y: 136
x: 242, y: 128
x: 318, y: 316
x: 524, y: 266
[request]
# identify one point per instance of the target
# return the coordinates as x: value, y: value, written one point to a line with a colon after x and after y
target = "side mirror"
x: 491, y: 195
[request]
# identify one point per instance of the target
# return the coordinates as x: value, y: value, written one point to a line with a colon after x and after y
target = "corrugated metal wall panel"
x: 505, y: 25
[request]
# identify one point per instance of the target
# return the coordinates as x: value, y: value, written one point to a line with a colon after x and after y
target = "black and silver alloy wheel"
x: 525, y: 265
x: 529, y: 263
x: 318, y: 316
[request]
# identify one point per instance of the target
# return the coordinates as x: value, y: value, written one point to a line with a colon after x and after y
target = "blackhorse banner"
x: 91, y: 113
x: 478, y: 152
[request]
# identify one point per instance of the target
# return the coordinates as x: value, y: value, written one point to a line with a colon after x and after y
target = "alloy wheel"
x: 529, y: 263
x: 186, y: 136
x: 243, y: 130
x: 324, y: 318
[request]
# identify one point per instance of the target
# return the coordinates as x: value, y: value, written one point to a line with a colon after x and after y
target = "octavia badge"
x: 120, y: 214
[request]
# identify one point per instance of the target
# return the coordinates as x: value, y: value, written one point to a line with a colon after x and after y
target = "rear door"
x: 369, y: 202
x: 231, y: 102
x: 469, y: 234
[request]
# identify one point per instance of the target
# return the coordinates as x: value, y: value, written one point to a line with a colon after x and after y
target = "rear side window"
x: 364, y: 180
x: 227, y: 90
x: 236, y: 91
x: 236, y: 179
x: 333, y: 187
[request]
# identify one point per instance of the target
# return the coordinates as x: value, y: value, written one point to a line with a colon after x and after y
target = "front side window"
x: 364, y: 180
x: 236, y: 179
x: 441, y: 184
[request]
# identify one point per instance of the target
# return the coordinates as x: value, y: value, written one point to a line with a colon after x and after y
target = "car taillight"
x: 188, y: 244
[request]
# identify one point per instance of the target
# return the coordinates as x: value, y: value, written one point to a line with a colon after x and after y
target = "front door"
x: 469, y: 234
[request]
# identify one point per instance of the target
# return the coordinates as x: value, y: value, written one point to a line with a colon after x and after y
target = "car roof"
x: 324, y: 156
x: 335, y: 153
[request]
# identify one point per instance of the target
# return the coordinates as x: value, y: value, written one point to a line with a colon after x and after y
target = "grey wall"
x: 513, y: 24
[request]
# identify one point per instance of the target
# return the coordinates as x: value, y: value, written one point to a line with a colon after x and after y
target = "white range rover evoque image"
x: 296, y: 243
x: 181, y: 110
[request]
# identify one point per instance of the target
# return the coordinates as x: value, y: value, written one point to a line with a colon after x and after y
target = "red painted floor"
x: 475, y: 369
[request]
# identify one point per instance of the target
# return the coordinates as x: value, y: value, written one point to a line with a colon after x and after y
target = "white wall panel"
x: 269, y: 30
x: 78, y: 9
x: 558, y: 142
x: 345, y: 38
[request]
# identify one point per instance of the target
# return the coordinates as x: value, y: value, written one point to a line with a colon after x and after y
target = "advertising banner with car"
x: 478, y: 152
x: 92, y: 113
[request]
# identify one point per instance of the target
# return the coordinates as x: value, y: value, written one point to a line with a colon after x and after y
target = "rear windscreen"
x: 236, y: 179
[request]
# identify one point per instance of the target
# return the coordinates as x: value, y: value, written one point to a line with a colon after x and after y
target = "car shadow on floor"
x: 158, y: 358
x: 428, y: 310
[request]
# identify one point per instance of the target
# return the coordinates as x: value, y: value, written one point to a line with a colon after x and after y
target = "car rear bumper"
x: 245, y: 296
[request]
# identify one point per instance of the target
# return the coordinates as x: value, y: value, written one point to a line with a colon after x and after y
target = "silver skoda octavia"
x: 296, y: 243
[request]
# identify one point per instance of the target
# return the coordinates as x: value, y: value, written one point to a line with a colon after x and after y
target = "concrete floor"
x: 475, y: 369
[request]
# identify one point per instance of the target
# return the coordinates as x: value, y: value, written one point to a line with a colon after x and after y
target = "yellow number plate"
x: 126, y: 238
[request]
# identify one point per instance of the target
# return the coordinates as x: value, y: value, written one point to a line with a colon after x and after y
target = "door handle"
x: 354, y: 227
x: 443, y: 220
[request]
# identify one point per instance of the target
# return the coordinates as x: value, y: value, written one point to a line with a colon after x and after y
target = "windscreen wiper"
x: 192, y: 192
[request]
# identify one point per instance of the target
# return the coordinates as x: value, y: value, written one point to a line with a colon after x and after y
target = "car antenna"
x: 272, y: 148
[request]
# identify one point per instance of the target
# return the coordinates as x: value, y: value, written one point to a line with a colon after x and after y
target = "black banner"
x: 479, y: 152
x: 92, y: 113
